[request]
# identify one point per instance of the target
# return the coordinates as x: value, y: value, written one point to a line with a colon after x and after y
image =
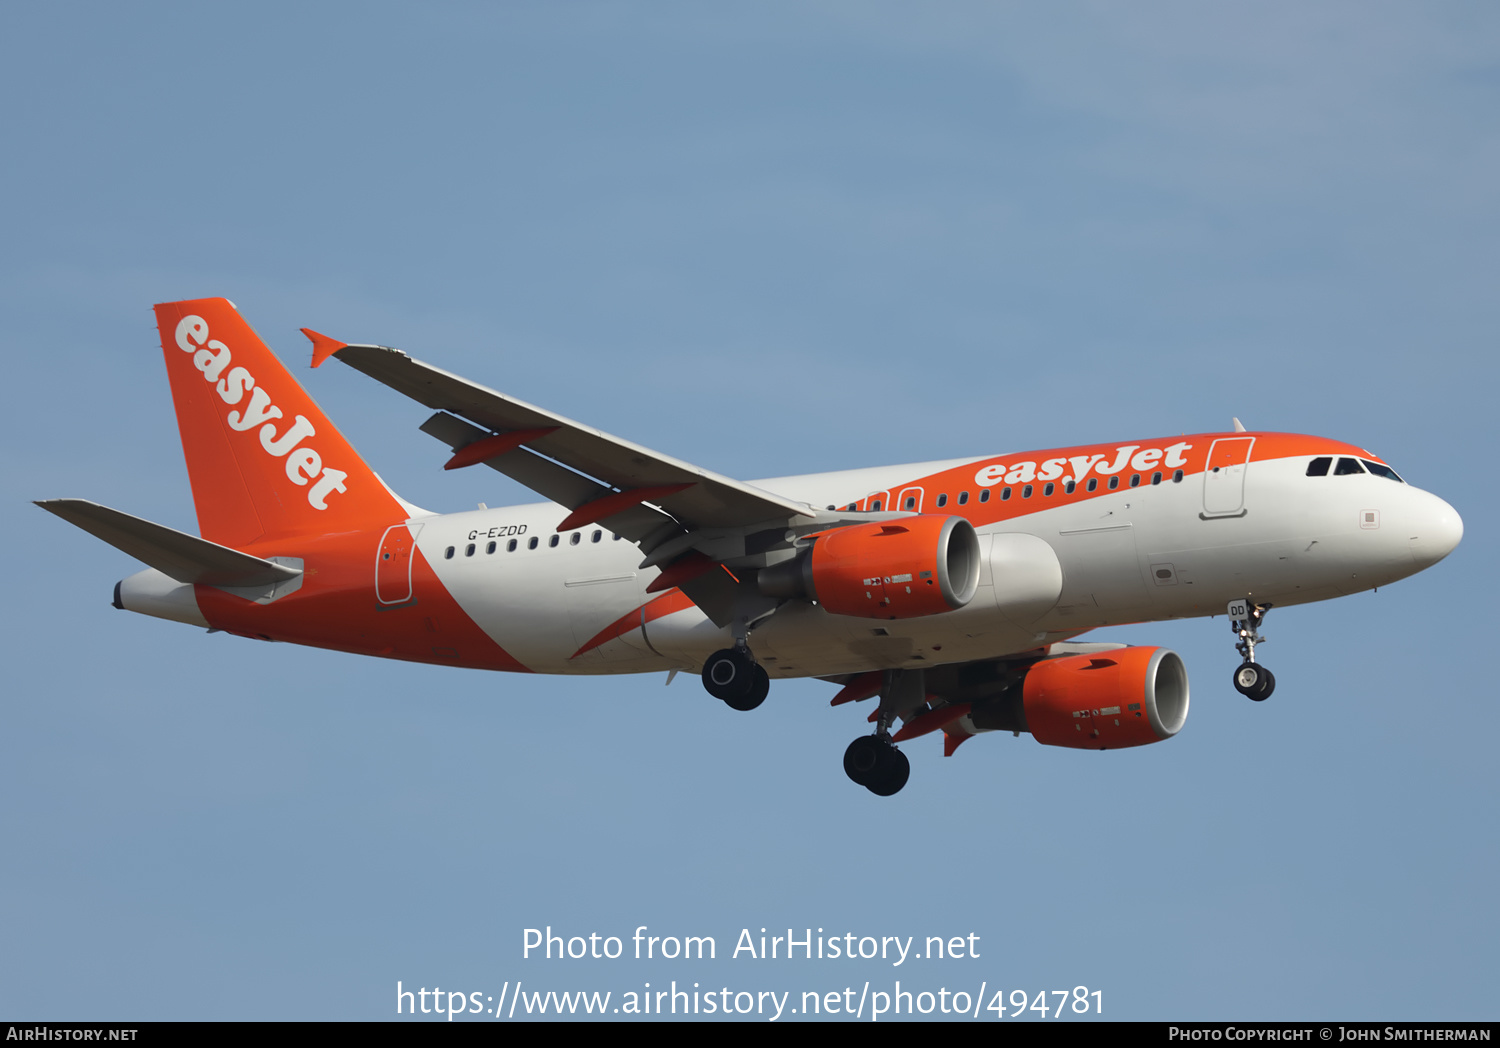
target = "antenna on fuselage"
x: 1239, y: 427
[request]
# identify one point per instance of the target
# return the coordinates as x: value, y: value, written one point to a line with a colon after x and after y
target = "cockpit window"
x: 1382, y: 471
x: 1318, y: 467
x: 1346, y: 467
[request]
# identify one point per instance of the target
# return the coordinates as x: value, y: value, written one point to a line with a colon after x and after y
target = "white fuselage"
x: 1169, y: 550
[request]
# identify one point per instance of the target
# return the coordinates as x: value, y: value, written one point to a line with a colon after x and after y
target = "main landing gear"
x: 1251, y: 679
x: 733, y: 676
x: 873, y: 762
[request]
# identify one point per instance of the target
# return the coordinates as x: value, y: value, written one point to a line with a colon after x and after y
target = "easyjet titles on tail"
x: 303, y: 464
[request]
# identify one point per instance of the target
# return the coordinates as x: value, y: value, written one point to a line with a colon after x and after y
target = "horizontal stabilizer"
x: 183, y: 557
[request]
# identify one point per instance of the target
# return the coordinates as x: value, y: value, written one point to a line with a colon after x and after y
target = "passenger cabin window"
x: 1047, y: 491
x: 448, y: 553
x: 963, y: 498
x: 597, y: 536
x: 1156, y: 477
x: 1004, y: 495
x: 1382, y: 471
x: 490, y: 548
x: 469, y: 550
x: 573, y: 539
x: 875, y: 506
x: 1135, y: 480
x: 984, y: 496
x: 942, y: 501
x: 1347, y: 467
x: 910, y: 503
x: 532, y: 543
x: 554, y: 540
x: 510, y: 547
x: 1177, y: 477
x: 1093, y: 483
x: 1318, y: 467
x: 1026, y: 492
x: 1114, y: 482
x: 1068, y: 487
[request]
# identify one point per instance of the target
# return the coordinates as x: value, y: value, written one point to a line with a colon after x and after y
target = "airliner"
x: 951, y: 592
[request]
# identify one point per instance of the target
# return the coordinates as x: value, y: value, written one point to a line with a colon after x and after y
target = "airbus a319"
x: 950, y: 592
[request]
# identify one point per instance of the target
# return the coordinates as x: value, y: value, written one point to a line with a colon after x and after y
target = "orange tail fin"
x: 262, y: 458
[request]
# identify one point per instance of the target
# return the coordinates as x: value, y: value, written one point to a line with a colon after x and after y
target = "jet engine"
x: 893, y: 569
x: 1106, y: 700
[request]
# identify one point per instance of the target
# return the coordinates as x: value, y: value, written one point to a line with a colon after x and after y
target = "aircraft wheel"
x: 760, y: 687
x: 1254, y: 681
x: 864, y: 759
x: 895, y: 774
x: 729, y: 674
x: 1267, y: 688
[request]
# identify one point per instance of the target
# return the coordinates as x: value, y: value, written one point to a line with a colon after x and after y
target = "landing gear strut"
x: 873, y: 761
x: 733, y: 676
x: 1251, y: 679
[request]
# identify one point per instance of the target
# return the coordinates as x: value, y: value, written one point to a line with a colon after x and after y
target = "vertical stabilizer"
x: 262, y: 458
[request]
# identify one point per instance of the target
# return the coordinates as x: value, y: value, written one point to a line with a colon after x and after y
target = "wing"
x: 697, y: 525
x: 601, y: 477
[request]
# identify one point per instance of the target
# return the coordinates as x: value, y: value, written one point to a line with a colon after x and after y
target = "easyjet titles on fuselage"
x: 303, y: 464
x: 1132, y: 455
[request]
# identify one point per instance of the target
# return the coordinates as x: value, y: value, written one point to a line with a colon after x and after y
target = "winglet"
x: 323, y: 346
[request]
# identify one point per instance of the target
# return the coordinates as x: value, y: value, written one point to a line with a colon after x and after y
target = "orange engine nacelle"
x: 894, y: 569
x: 1107, y: 700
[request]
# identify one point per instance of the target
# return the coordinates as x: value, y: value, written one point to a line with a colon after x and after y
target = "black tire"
x: 1254, y: 681
x: 760, y: 687
x: 1267, y: 688
x: 897, y: 770
x: 729, y: 674
x: 865, y: 759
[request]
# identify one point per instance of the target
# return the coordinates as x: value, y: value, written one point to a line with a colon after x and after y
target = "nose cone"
x: 1438, y: 531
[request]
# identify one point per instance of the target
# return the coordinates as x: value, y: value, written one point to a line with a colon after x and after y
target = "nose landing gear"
x: 1254, y: 682
x: 1251, y: 679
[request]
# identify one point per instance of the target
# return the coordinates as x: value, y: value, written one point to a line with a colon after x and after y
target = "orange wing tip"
x: 323, y: 346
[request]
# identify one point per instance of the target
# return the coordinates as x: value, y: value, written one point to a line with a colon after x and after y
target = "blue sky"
x: 778, y: 239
